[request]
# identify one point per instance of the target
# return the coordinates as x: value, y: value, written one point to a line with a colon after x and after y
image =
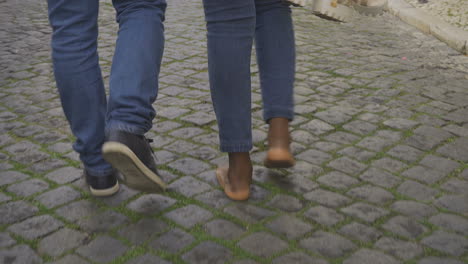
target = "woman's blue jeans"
x: 232, y: 26
x: 134, y: 73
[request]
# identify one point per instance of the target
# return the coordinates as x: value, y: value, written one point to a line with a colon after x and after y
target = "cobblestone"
x: 380, y: 137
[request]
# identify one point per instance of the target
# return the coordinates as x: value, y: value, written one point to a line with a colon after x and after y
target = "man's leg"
x: 79, y: 81
x: 276, y: 60
x: 133, y: 90
x: 231, y: 29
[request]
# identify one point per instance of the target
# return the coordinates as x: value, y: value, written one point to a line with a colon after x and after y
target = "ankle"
x: 278, y: 133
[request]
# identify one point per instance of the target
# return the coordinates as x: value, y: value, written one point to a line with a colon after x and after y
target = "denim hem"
x: 245, y: 147
x: 278, y: 112
x: 99, y: 173
x: 117, y: 125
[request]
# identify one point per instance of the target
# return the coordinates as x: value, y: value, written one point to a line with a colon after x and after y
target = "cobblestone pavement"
x: 381, y: 137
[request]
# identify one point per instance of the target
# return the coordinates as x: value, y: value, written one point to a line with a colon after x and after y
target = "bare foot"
x: 236, y: 178
x: 279, y: 155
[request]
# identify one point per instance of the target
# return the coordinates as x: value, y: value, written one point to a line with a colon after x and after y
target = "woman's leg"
x: 276, y: 59
x: 231, y: 29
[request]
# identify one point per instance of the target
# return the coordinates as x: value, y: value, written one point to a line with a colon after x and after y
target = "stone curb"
x: 455, y: 37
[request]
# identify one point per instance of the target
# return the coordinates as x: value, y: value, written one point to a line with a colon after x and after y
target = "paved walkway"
x: 381, y: 137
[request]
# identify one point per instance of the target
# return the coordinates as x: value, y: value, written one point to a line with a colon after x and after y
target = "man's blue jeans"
x: 232, y: 26
x: 134, y: 74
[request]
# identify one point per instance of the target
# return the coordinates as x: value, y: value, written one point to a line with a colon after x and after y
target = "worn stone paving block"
x: 337, y: 180
x: 327, y: 198
x: 189, y: 166
x: 151, y: 204
x: 328, y: 244
x: 77, y: 210
x: 347, y: 165
x: 452, y: 244
x: 103, y: 249
x: 262, y: 244
x: 19, y: 254
x: 380, y: 178
x: 224, y: 229
x: 59, y: 196
x: 365, y: 212
x: 208, y: 253
x: 357, y: 153
x: 16, y: 211
x: 314, y: 156
x: 405, y: 227
x: 371, y: 194
x: 365, y: 256
x: 342, y: 137
x: 248, y: 213
x: 70, y: 259
x: 389, y: 164
x: 450, y: 222
x: 457, y: 130
x: 439, y: 163
x: 306, y: 169
x: 189, y: 186
x: 360, y: 232
x: 456, y: 149
x: 187, y: 132
x: 333, y: 116
x: 35, y: 227
x: 8, y: 177
x: 326, y: 145
x: 258, y: 194
x: 413, y: 209
x: 417, y: 191
x: 63, y: 240
x: 65, y: 175
x: 139, y: 232
x: 324, y: 216
x: 303, y: 137
x: 215, y: 198
x: 4, y: 198
x: 289, y: 226
x: 204, y: 153
x: 424, y: 174
x: 245, y: 261
x: 454, y: 185
x: 200, y: 118
x: 317, y: 127
x: 298, y: 258
x: 360, y: 127
x: 286, y: 203
x: 172, y: 112
x: 29, y: 187
x: 124, y: 194
x: 454, y: 203
x: 189, y: 215
x: 147, y: 258
x: 102, y: 221
x: 427, y: 137
x: 173, y: 241
x: 406, y: 153
x: 400, y: 123
x: 6, y: 240
x: 438, y: 260
x: 399, y: 248
x: 374, y: 143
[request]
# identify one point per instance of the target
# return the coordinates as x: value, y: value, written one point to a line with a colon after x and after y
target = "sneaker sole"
x: 104, y: 192
x: 131, y: 167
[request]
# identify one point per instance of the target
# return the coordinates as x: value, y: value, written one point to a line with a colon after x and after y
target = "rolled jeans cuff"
x: 239, y: 147
x: 116, y: 125
x: 285, y: 112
